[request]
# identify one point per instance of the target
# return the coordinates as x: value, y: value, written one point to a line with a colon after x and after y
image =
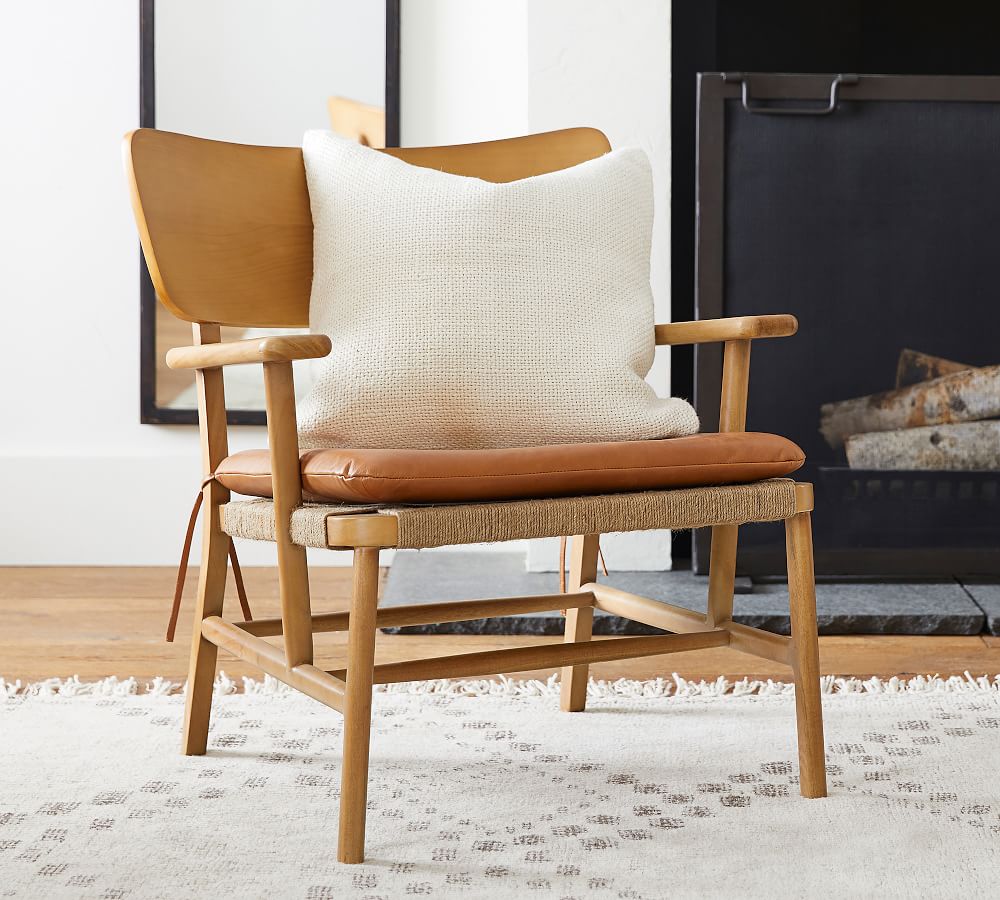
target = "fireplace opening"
x: 902, y: 317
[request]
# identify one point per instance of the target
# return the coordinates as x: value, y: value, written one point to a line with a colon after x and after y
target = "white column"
x: 606, y: 63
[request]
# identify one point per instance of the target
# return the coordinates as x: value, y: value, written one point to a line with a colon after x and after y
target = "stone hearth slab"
x: 843, y: 607
x: 986, y: 594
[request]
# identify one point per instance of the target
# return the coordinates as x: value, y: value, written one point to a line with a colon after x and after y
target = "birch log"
x: 963, y: 446
x: 962, y: 397
x: 914, y: 367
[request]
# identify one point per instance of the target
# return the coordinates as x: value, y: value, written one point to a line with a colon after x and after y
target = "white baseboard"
x: 647, y: 551
x: 109, y: 511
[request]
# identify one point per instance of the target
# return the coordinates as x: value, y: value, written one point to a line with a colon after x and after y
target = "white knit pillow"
x: 467, y: 315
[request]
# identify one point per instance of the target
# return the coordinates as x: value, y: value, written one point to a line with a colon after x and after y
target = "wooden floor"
x: 96, y: 622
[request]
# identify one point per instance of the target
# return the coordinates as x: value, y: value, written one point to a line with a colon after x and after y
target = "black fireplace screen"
x: 878, y: 225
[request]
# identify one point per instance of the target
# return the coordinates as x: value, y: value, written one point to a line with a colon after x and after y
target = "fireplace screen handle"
x: 764, y: 110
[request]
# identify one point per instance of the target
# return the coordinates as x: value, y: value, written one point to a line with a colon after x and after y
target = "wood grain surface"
x: 95, y: 622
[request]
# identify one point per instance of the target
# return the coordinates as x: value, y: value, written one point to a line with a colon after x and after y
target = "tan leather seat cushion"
x: 555, y: 470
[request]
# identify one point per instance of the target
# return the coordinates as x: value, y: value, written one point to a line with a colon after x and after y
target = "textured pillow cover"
x: 466, y: 314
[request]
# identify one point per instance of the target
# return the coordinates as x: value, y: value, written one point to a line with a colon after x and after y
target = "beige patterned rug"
x: 662, y: 789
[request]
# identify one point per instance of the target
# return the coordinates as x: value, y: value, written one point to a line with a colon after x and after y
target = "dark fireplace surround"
x: 909, y: 524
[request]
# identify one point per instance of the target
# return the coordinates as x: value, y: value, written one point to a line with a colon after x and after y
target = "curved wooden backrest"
x: 226, y: 228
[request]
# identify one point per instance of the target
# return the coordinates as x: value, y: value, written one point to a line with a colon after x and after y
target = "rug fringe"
x: 675, y: 686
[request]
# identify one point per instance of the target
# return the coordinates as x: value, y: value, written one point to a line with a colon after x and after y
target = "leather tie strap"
x: 183, y: 567
x: 562, y: 567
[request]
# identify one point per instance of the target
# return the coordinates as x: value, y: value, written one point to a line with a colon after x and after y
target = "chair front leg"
x: 211, y: 590
x: 358, y: 706
x: 805, y: 655
x: 579, y: 622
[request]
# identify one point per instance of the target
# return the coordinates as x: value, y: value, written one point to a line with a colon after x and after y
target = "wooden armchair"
x: 227, y: 234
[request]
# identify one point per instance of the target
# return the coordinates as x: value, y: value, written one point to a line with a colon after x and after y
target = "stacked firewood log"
x: 941, y: 415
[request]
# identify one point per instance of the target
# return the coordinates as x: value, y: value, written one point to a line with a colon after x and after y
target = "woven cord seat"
x: 441, y: 525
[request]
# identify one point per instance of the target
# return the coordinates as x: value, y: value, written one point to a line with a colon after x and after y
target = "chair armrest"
x: 737, y: 333
x: 276, y: 348
x: 738, y: 328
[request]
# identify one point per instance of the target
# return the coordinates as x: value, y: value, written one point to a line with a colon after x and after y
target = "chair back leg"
x: 358, y: 706
x: 211, y: 591
x: 579, y: 622
x: 722, y: 574
x: 805, y: 655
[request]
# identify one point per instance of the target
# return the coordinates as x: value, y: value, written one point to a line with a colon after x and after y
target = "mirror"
x: 256, y: 72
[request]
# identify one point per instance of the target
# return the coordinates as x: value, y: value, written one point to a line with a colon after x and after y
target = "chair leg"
x: 722, y: 574
x: 358, y: 706
x: 579, y: 622
x: 805, y: 655
x: 211, y: 590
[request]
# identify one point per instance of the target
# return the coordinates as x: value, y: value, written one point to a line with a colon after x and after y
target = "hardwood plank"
x: 96, y: 622
x: 112, y: 583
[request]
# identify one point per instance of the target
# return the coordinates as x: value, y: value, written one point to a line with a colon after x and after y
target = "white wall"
x: 83, y: 482
x: 464, y: 67
x: 606, y: 63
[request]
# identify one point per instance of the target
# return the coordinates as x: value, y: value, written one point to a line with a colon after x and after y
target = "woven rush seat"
x: 442, y: 524
x: 561, y: 470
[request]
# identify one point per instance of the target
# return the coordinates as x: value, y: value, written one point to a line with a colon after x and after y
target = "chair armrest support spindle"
x: 736, y: 333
